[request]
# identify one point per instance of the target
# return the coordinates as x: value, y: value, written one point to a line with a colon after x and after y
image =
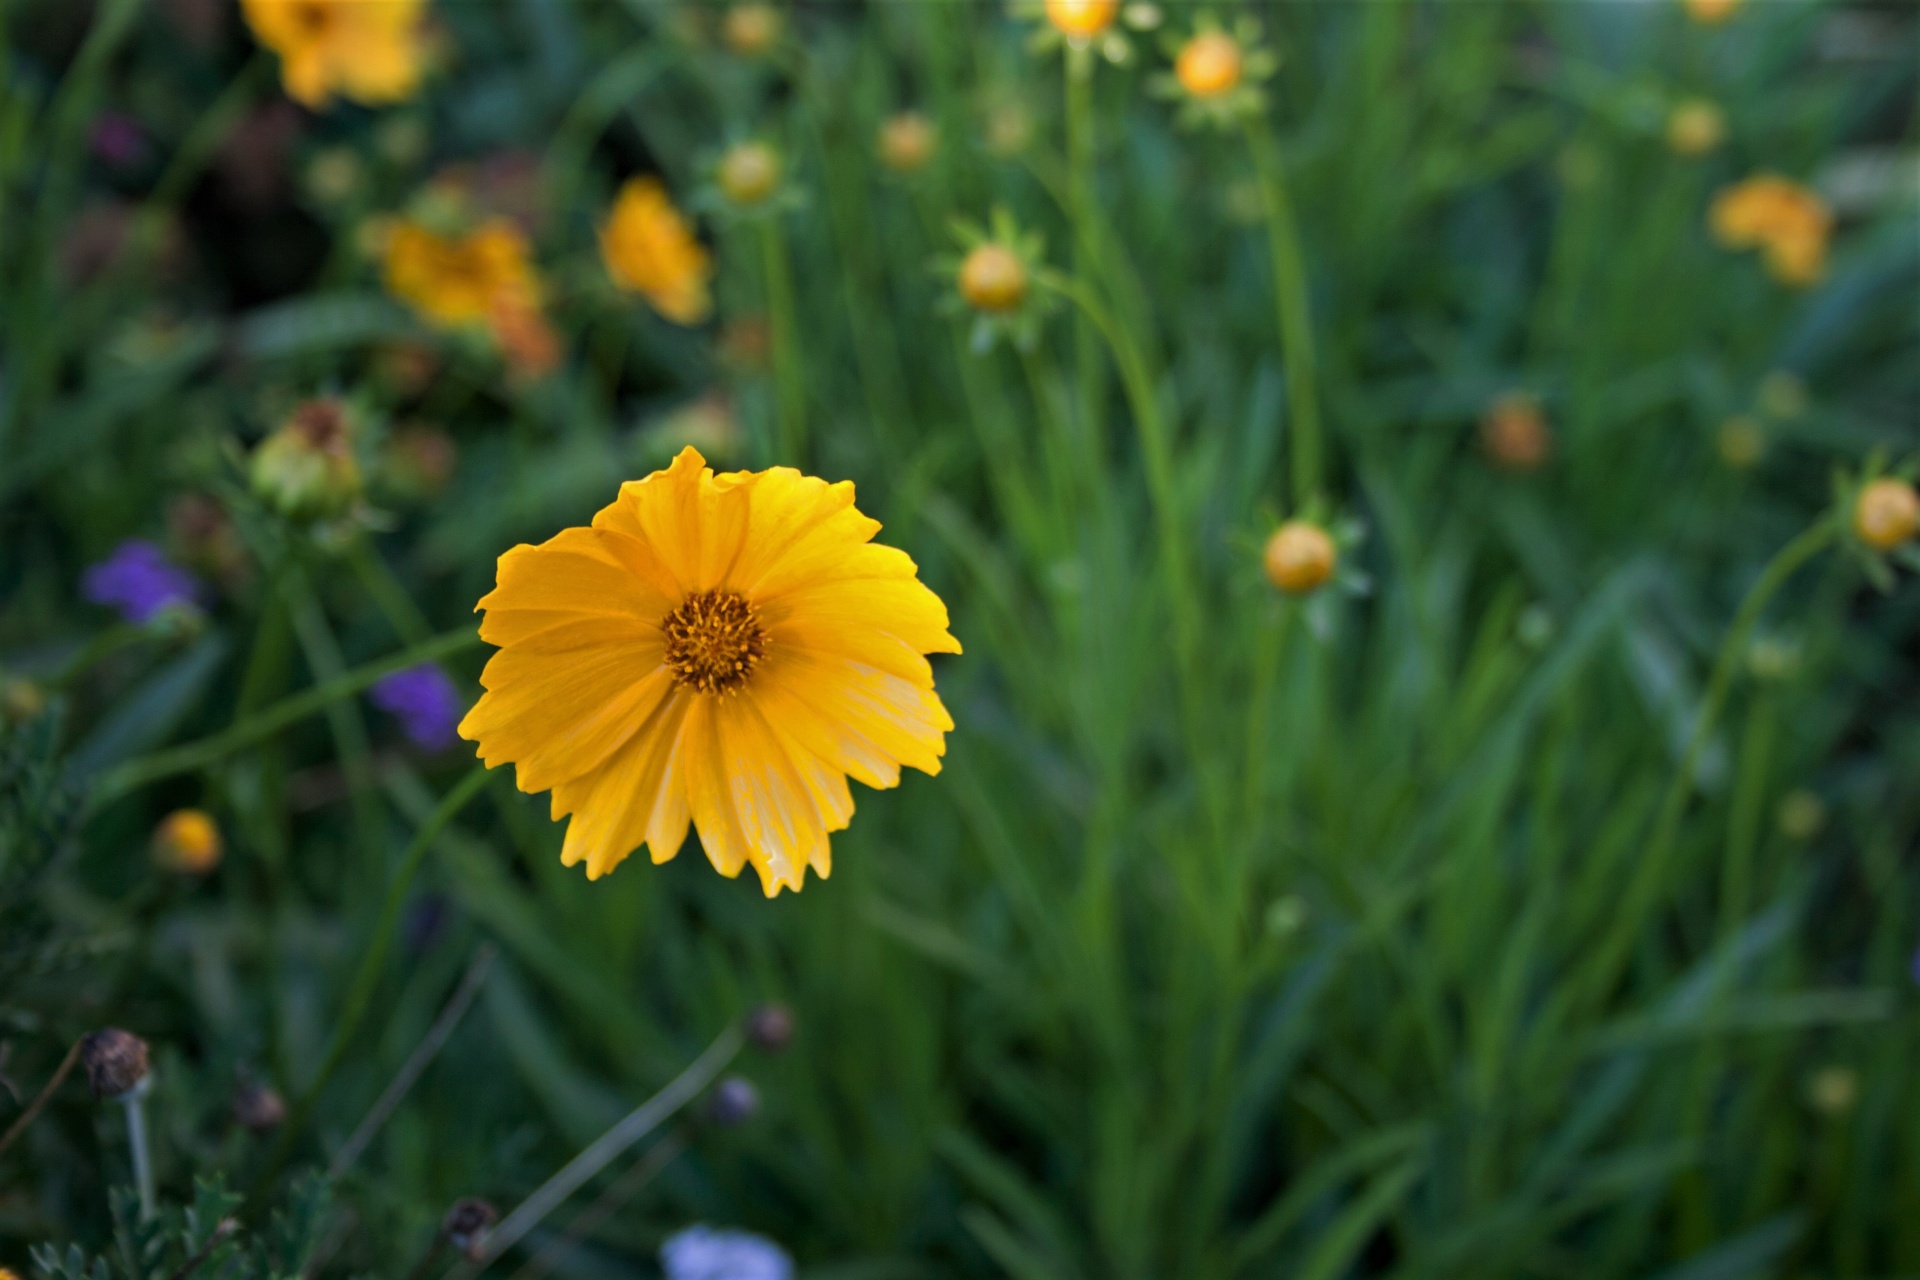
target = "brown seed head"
x: 258, y: 1108
x: 466, y: 1225
x: 115, y: 1060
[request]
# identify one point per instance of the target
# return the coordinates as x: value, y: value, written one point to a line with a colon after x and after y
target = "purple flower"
x: 424, y: 701
x: 138, y: 581
x: 1914, y: 968
x: 701, y: 1253
x: 117, y: 140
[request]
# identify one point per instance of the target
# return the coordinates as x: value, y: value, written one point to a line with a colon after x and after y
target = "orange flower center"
x: 312, y: 16
x: 1209, y: 65
x: 713, y: 641
x: 1082, y: 18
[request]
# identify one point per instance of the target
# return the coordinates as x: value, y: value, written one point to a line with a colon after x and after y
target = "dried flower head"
x: 115, y: 1062
x: 1299, y: 557
x: 187, y: 841
x: 650, y: 247
x: 307, y: 470
x: 466, y: 1224
x: 258, y: 1108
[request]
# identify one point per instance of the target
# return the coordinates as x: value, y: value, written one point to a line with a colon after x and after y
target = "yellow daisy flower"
x: 1788, y: 223
x: 721, y: 649
x: 367, y: 50
x: 485, y: 277
x: 651, y: 249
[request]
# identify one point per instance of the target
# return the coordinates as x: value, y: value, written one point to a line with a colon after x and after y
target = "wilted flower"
x: 306, y: 470
x: 1886, y: 513
x: 1695, y: 127
x: 188, y: 842
x: 650, y: 248
x: 1788, y: 223
x: 703, y: 1253
x: 724, y: 650
x: 425, y: 702
x: 1803, y: 815
x: 751, y: 30
x: 1710, y: 12
x: 1741, y: 442
x: 907, y: 142
x: 1299, y: 557
x: 1833, y: 1091
x: 466, y: 1224
x: 748, y: 173
x: 139, y: 581
x: 1514, y: 433
x: 368, y: 52
x: 258, y: 1108
x: 734, y: 1101
x: 115, y: 1061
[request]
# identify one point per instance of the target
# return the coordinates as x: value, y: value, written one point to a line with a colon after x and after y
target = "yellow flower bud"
x: 1833, y: 1091
x: 1741, y: 442
x: 750, y: 30
x: 1082, y: 19
x: 1886, y: 514
x: 992, y: 278
x: 1299, y: 557
x: 907, y: 142
x: 187, y: 841
x: 1695, y: 127
x: 1209, y: 65
x: 1514, y: 433
x: 749, y: 172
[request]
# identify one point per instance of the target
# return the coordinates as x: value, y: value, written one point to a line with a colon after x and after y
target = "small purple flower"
x: 1914, y: 968
x: 702, y: 1253
x: 138, y: 580
x: 424, y: 701
x: 117, y: 140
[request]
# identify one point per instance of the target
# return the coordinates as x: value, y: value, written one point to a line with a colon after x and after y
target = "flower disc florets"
x: 713, y: 641
x: 1886, y: 514
x: 993, y: 282
x: 1299, y: 557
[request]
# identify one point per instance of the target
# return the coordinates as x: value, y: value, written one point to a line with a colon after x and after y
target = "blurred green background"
x: 1513, y: 905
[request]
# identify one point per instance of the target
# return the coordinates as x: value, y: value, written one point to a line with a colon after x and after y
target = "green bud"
x: 306, y: 469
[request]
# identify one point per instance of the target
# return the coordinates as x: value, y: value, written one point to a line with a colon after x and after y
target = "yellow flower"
x: 1209, y: 64
x: 1695, y: 127
x: 720, y: 649
x: 367, y: 50
x: 750, y: 30
x: 187, y: 841
x: 485, y: 277
x: 1299, y: 557
x: 907, y: 142
x: 1514, y: 433
x: 650, y: 248
x: 1783, y: 219
x: 1082, y: 19
x: 749, y: 172
x: 992, y: 278
x: 1886, y: 514
x: 1711, y: 12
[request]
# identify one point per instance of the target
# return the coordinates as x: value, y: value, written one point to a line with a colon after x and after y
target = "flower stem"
x: 789, y: 385
x: 41, y: 1099
x: 360, y: 992
x: 1295, y: 314
x: 1650, y: 871
x: 1086, y: 343
x: 134, y: 1100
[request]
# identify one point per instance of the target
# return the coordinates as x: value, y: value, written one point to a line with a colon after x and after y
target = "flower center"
x: 713, y: 641
x: 311, y: 17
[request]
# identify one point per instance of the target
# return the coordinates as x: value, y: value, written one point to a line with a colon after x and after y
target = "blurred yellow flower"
x: 908, y: 142
x: 485, y: 277
x: 651, y: 249
x: 724, y: 650
x: 1514, y: 433
x: 1886, y: 514
x: 992, y: 278
x: 1695, y: 127
x: 1209, y: 64
x: 1299, y: 557
x: 367, y: 50
x: 750, y: 30
x: 1788, y: 223
x: 187, y: 841
x: 1082, y: 19
x: 1741, y: 442
x: 749, y: 172
x: 1711, y: 12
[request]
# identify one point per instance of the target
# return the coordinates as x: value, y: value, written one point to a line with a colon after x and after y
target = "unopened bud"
x: 306, y: 470
x: 466, y: 1226
x: 770, y: 1027
x: 258, y: 1108
x: 115, y: 1060
x: 734, y: 1101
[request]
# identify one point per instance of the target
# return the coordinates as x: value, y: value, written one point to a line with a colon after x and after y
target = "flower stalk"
x: 789, y: 383
x: 1294, y: 312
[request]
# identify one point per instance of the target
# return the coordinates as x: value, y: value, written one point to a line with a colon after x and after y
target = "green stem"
x: 377, y: 576
x: 196, y: 755
x: 322, y: 652
x: 1080, y: 214
x: 1650, y: 870
x: 367, y: 976
x: 1295, y: 314
x: 788, y: 380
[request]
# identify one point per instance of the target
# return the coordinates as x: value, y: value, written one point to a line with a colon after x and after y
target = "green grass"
x: 1426, y: 930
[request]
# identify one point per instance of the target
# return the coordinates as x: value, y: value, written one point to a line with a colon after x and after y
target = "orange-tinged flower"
x: 1082, y: 19
x: 907, y: 142
x: 1788, y: 223
x: 1711, y: 12
x: 1209, y: 64
x: 187, y: 841
x: 720, y: 650
x: 370, y: 51
x: 485, y: 277
x: 651, y: 249
x: 1514, y: 433
x: 1299, y: 557
x: 750, y: 30
x: 992, y: 278
x: 1886, y: 514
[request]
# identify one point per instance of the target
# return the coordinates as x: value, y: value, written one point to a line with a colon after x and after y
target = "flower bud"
x: 992, y: 278
x: 908, y: 142
x: 466, y: 1225
x: 1741, y: 442
x: 21, y: 700
x: 1514, y: 433
x: 770, y: 1027
x: 749, y: 172
x: 306, y: 470
x: 1886, y: 514
x: 1209, y: 65
x: 1833, y: 1091
x: 751, y: 30
x: 258, y: 1108
x: 1803, y: 815
x: 733, y: 1102
x: 187, y: 841
x: 1695, y: 127
x: 1082, y: 19
x: 115, y: 1062
x: 1299, y: 557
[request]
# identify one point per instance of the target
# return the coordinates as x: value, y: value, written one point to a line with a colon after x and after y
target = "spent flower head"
x: 996, y: 280
x: 1217, y: 72
x: 307, y: 469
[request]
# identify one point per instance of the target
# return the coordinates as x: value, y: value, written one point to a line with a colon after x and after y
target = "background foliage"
x: 1240, y: 936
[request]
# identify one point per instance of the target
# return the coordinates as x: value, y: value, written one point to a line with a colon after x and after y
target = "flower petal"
x: 557, y: 718
x: 638, y: 795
